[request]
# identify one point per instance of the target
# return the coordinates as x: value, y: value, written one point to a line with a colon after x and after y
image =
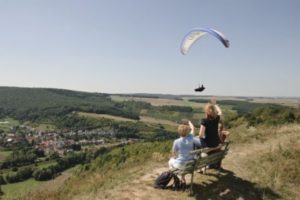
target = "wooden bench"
x: 213, y: 156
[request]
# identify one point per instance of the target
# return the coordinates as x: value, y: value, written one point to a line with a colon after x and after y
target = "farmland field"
x: 94, y: 115
x: 284, y: 101
x: 158, y: 101
x: 4, y: 154
x: 7, y: 123
x: 145, y: 119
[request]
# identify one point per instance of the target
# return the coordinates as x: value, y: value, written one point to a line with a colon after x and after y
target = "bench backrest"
x: 214, y: 155
x: 210, y: 159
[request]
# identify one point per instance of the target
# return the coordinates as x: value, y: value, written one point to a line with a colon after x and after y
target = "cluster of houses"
x: 59, y: 142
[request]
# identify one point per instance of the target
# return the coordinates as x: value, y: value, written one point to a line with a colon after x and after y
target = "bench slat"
x: 205, y: 150
x: 200, y: 162
x: 217, y: 154
x: 210, y: 159
x: 187, y: 169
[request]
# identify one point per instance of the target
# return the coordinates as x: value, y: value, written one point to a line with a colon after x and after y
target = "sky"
x: 133, y: 46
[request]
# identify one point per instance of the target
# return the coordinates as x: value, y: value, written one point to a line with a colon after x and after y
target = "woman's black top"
x: 211, y: 131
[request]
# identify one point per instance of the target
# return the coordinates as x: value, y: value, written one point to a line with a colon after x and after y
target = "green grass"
x: 5, y: 153
x: 7, y: 126
x: 15, y: 190
x: 46, y: 164
x: 45, y: 127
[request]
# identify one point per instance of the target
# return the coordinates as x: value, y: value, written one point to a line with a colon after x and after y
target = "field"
x: 94, y: 115
x: 152, y: 120
x: 293, y: 102
x: 288, y: 101
x: 15, y: 190
x: 145, y: 119
x: 44, y: 127
x: 7, y: 123
x: 22, y: 189
x: 158, y: 101
x: 285, y: 101
x: 4, y: 154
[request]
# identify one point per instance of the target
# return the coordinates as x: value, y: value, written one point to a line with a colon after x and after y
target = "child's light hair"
x: 183, y: 130
x: 210, y: 111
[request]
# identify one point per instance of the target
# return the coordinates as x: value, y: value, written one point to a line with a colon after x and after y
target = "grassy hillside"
x: 265, y: 167
x: 279, y: 169
x: 120, y: 165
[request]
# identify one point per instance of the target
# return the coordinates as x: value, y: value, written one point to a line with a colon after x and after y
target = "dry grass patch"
x: 159, y: 101
x: 152, y: 120
x: 279, y: 170
x: 145, y: 119
x: 94, y: 115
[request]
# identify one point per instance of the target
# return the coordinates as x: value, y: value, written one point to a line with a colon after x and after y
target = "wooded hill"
x: 59, y: 107
x: 37, y: 104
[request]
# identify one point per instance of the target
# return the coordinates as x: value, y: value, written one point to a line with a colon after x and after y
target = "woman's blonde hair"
x: 183, y: 130
x: 210, y: 111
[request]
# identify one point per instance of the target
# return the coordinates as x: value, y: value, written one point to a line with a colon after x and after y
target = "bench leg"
x: 219, y: 167
x: 191, y: 186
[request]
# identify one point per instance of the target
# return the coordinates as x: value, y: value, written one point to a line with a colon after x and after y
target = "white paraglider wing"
x: 195, y: 34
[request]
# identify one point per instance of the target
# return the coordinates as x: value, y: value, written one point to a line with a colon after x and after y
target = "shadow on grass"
x: 228, y: 186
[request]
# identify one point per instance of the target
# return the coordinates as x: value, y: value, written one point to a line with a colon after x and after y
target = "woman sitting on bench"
x: 182, y: 147
x: 209, y: 134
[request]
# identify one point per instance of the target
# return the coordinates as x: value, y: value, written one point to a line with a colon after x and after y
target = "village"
x: 59, y: 141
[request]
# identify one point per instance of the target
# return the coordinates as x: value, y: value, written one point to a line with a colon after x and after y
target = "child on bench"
x: 183, y: 145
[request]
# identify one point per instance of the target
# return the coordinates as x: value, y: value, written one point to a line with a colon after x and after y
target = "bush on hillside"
x: 22, y: 174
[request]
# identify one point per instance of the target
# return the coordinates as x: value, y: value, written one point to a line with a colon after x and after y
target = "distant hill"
x: 61, y: 108
x: 40, y: 103
x: 57, y: 106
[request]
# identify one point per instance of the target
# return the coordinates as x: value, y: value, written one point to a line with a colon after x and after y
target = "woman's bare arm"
x: 214, y: 102
x: 219, y: 111
x: 192, y: 127
x: 202, y: 131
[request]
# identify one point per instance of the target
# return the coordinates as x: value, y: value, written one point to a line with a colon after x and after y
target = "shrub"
x: 43, y: 174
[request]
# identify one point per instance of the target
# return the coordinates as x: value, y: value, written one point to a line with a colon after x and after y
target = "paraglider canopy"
x: 197, y: 33
x: 200, y: 89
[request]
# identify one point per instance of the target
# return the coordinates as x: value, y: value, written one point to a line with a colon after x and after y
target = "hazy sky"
x: 130, y: 46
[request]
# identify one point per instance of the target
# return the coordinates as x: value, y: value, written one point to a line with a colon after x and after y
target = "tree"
x: 1, y: 191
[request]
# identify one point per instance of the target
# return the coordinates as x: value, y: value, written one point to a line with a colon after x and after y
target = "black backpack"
x: 164, y: 179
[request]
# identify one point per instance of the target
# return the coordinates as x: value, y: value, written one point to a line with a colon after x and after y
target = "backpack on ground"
x: 165, y: 178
